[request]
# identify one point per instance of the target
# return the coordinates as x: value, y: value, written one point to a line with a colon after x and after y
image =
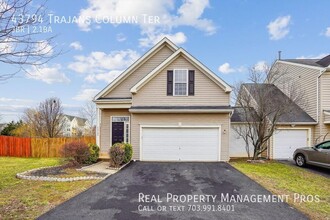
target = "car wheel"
x: 300, y: 160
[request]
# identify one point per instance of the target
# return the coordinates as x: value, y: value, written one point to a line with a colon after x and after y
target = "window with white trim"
x: 180, y: 82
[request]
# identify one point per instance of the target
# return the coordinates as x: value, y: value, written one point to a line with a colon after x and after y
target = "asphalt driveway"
x: 175, y: 191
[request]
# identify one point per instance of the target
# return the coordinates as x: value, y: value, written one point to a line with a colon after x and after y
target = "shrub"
x: 79, y: 151
x: 117, y: 154
x: 128, y: 152
x: 94, y: 153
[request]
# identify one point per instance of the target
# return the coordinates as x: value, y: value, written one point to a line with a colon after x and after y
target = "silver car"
x: 319, y: 155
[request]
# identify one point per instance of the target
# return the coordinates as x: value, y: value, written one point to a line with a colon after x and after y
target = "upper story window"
x: 180, y: 82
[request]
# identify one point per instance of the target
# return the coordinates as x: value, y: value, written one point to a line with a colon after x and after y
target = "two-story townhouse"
x: 313, y: 79
x: 75, y: 126
x: 169, y: 106
x: 310, y: 122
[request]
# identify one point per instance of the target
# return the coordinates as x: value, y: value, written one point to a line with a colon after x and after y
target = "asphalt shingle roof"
x: 296, y: 114
x: 324, y: 62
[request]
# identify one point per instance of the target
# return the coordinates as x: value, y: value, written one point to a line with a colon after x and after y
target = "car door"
x: 321, y: 153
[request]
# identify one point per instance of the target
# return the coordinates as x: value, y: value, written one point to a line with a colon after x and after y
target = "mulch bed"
x: 67, y: 170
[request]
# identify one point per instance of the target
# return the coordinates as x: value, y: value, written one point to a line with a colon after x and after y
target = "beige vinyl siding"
x: 306, y: 81
x: 185, y: 120
x: 206, y: 91
x: 123, y: 89
x: 105, y: 126
x: 323, y: 130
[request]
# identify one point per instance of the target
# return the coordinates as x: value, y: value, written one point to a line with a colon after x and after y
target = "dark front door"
x: 117, y: 132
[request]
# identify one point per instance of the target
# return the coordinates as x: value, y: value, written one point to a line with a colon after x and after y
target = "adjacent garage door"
x: 287, y: 141
x: 180, y: 144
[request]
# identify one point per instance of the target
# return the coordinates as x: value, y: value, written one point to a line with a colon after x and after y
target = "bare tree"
x: 263, y: 106
x: 34, y: 123
x: 88, y: 111
x: 23, y: 27
x: 51, y: 113
x: 46, y: 120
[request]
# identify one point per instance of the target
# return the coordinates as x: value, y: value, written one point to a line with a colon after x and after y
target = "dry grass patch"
x: 282, y: 179
x: 25, y: 199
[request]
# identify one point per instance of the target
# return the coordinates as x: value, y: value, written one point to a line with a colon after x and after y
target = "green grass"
x: 25, y: 199
x: 282, y: 179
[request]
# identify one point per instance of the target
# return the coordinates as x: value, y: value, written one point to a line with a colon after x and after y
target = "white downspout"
x: 98, y: 123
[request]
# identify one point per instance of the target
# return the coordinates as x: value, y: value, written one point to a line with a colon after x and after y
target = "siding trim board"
x: 299, y: 64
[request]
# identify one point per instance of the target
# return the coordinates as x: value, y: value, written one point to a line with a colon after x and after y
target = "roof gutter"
x: 180, y: 110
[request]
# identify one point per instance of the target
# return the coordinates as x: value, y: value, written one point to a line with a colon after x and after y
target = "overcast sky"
x: 227, y: 36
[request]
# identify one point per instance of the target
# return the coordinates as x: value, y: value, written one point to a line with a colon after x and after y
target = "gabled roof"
x: 190, y: 58
x: 239, y: 114
x: 308, y: 62
x: 277, y: 97
x: 135, y: 65
x: 320, y: 63
x: 80, y: 121
x: 70, y: 117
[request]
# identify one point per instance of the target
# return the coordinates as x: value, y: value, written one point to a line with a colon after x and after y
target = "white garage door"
x: 180, y: 144
x: 287, y: 141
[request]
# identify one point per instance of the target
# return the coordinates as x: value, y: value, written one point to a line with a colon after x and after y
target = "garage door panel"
x: 180, y: 144
x: 286, y: 141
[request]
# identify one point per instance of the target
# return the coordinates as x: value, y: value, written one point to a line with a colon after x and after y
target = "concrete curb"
x: 25, y: 175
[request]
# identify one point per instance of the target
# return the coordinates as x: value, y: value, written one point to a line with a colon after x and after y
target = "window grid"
x: 180, y: 82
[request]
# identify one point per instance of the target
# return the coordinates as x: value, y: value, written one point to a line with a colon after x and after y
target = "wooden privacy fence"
x: 36, y: 147
x: 15, y: 147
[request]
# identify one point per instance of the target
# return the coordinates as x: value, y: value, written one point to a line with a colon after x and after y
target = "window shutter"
x: 191, y: 89
x: 169, y: 82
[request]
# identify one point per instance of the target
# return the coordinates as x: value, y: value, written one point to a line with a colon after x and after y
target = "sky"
x: 102, y: 38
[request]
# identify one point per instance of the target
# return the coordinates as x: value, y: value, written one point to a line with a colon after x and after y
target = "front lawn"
x: 25, y: 199
x: 282, y: 179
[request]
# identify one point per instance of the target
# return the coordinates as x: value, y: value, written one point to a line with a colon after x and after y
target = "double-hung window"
x: 180, y: 82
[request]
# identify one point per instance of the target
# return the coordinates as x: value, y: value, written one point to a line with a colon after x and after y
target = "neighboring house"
x: 169, y: 106
x: 75, y: 126
x: 310, y: 123
x: 237, y: 145
x: 2, y: 126
x: 293, y: 128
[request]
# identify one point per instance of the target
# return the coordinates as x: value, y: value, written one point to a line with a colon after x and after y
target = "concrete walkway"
x: 100, y: 167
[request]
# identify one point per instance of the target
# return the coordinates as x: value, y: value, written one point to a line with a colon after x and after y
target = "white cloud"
x: 189, y: 13
x: 319, y: 56
x: 48, y: 74
x: 12, y: 108
x: 152, y: 39
x: 261, y: 66
x: 121, y: 37
x: 101, y: 66
x: 107, y: 77
x: 44, y: 48
x: 327, y: 32
x: 86, y: 94
x: 76, y: 45
x: 6, y: 46
x: 226, y: 69
x: 279, y: 28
